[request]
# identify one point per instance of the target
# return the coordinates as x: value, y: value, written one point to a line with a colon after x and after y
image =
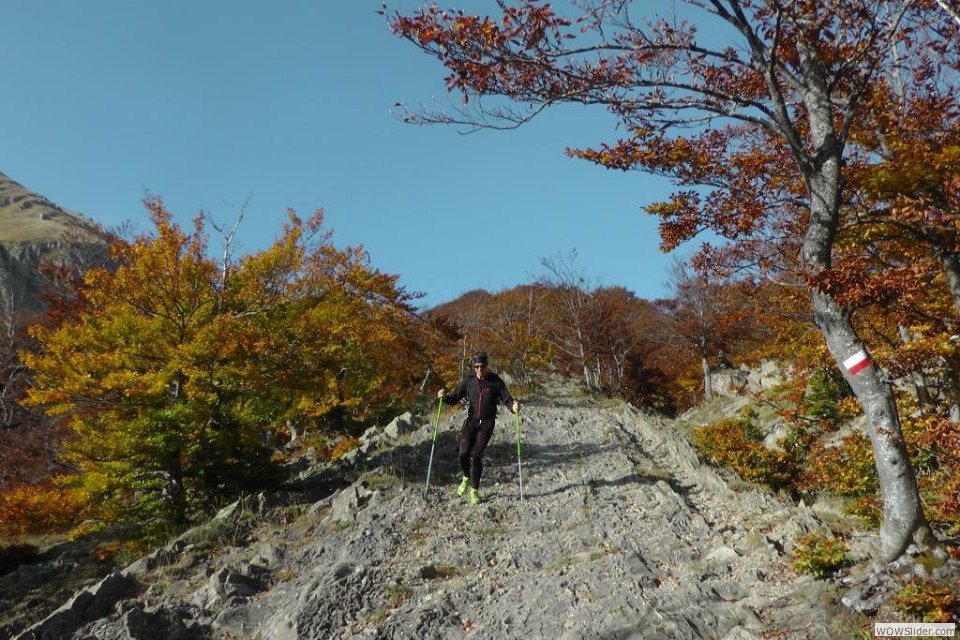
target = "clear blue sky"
x: 288, y: 104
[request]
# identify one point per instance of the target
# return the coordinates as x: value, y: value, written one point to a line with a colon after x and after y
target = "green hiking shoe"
x: 474, y: 496
x: 463, y: 486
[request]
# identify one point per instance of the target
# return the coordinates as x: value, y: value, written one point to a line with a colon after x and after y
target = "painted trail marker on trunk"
x: 857, y: 362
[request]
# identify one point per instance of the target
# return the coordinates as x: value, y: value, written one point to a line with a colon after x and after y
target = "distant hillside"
x: 34, y: 230
x: 26, y: 216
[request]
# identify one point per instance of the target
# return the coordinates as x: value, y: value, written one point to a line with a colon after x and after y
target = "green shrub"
x: 748, y: 421
x: 729, y: 443
x: 825, y: 389
x: 869, y: 509
x: 929, y: 601
x: 819, y: 554
x: 397, y: 594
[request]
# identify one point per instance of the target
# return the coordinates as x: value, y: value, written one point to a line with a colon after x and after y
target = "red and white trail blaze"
x: 857, y: 362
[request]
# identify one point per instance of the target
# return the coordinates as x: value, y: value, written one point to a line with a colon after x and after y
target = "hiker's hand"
x: 516, y: 406
x: 440, y: 394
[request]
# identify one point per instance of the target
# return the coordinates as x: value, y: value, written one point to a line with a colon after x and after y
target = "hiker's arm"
x: 455, y: 397
x: 508, y: 400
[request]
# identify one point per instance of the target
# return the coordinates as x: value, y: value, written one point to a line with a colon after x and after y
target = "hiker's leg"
x: 467, y: 436
x: 484, y: 433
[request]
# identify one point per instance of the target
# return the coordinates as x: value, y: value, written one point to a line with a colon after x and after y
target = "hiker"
x: 482, y: 390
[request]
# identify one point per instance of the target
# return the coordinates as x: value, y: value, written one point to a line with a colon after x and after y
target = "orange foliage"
x: 845, y: 470
x: 39, y: 509
x: 179, y: 374
x: 728, y: 443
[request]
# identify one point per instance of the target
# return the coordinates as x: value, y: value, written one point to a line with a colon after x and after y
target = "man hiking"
x: 482, y: 390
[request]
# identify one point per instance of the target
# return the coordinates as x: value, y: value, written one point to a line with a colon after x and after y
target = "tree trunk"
x: 903, y: 519
x: 175, y: 491
x: 919, y: 380
x: 707, y: 379
x: 951, y: 267
x: 619, y: 362
x: 582, y: 352
x: 820, y: 165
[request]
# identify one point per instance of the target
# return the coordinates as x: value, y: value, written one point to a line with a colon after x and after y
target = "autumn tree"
x: 467, y: 317
x: 28, y: 440
x: 706, y: 317
x: 575, y: 314
x: 516, y: 332
x: 508, y: 325
x: 529, y: 330
x: 791, y: 77
x: 623, y: 343
x: 903, y: 226
x: 180, y: 378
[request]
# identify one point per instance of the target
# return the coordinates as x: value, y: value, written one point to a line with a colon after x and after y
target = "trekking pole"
x: 519, y: 462
x: 436, y: 429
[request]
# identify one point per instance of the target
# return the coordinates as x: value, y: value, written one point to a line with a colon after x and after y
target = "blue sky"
x: 215, y: 103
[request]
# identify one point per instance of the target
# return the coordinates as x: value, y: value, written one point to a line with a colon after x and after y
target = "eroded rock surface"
x: 622, y: 533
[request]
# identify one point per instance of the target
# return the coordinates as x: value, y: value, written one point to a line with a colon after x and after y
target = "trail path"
x: 622, y: 534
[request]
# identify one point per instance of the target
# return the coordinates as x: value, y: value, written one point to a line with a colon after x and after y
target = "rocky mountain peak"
x: 26, y: 216
x: 33, y: 230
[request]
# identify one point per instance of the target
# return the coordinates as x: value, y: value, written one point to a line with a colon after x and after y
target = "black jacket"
x: 482, y: 395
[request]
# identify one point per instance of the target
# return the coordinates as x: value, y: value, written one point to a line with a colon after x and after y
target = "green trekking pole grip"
x: 519, y: 459
x: 436, y: 430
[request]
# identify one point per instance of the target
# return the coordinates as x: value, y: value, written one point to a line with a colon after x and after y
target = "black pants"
x: 474, y: 437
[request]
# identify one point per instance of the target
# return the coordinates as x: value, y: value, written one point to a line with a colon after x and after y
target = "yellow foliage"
x: 35, y: 510
x: 178, y: 372
x: 929, y: 601
x: 849, y: 407
x: 344, y: 445
x: 729, y: 444
x: 819, y: 554
x: 846, y: 470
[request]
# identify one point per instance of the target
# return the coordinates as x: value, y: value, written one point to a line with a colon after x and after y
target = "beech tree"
x: 517, y: 331
x: 903, y: 226
x: 470, y: 316
x: 180, y: 378
x: 28, y: 440
x: 622, y: 340
x: 793, y: 77
x: 705, y: 318
x: 575, y: 314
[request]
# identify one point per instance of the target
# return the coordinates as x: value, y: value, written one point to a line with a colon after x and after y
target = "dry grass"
x: 28, y: 217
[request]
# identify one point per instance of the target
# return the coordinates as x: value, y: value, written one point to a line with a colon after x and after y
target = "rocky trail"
x: 622, y: 533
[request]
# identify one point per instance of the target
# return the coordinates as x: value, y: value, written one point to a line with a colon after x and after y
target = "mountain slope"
x: 33, y: 230
x: 26, y: 216
x: 622, y: 533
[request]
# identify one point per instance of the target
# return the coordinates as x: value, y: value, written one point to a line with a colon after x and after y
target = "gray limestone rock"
x: 87, y: 605
x: 399, y: 425
x: 622, y: 533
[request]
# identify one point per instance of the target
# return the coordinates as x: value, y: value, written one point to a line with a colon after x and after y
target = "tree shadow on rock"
x: 537, y: 459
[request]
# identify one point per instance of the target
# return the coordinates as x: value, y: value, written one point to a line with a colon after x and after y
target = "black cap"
x: 480, y: 358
